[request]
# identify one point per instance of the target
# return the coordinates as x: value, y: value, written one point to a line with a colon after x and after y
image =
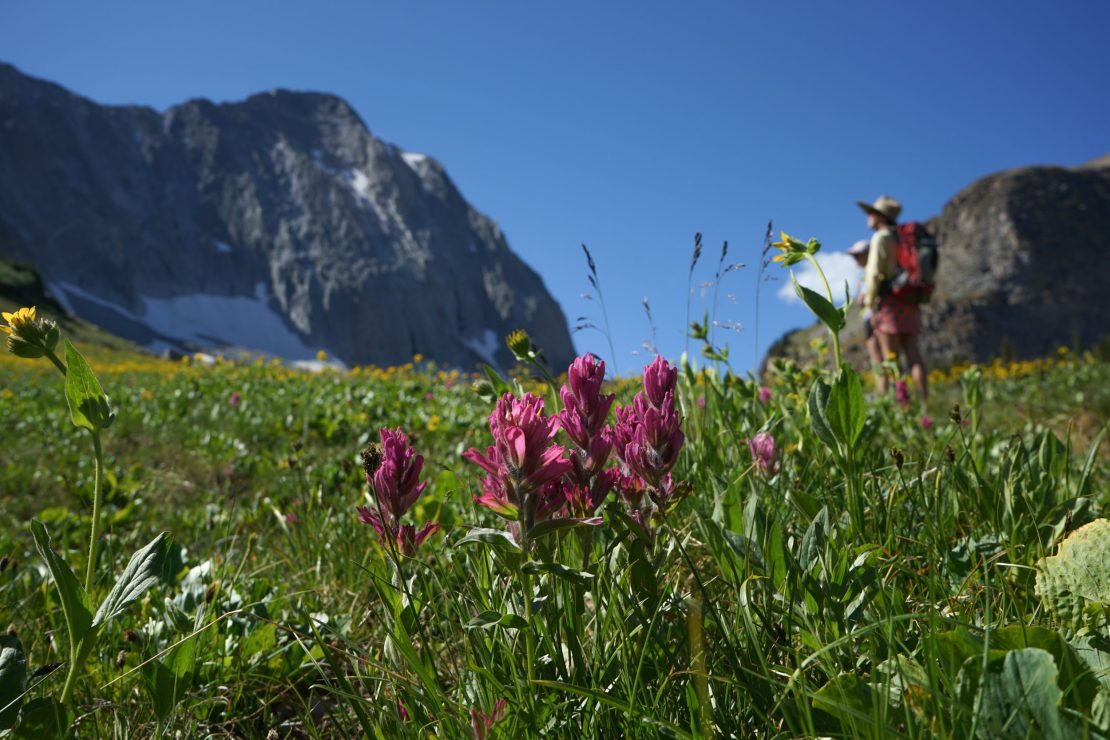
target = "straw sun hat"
x: 884, y: 206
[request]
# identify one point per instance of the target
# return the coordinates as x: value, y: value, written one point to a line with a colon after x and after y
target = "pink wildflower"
x: 234, y: 400
x: 700, y: 403
x: 584, y: 418
x: 522, y: 459
x: 482, y: 723
x: 902, y: 393
x: 395, y: 484
x: 764, y: 394
x: 647, y: 439
x: 762, y: 447
x: 291, y: 518
x: 926, y: 422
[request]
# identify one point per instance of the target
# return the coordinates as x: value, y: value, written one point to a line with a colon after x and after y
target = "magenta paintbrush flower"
x: 902, y: 393
x: 764, y: 394
x: 659, y: 380
x: 762, y: 447
x: 585, y: 408
x: 647, y: 439
x: 393, y: 472
x: 396, y: 482
x: 521, y: 460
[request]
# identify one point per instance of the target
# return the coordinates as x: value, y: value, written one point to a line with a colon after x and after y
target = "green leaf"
x: 75, y: 602
x: 818, y: 419
x: 168, y: 679
x: 579, y: 577
x: 500, y: 387
x: 829, y: 314
x: 142, y: 572
x: 498, y: 538
x: 1018, y: 697
x: 846, y: 410
x: 849, y: 699
x: 262, y: 639
x: 1075, y: 583
x: 814, y: 540
x: 89, y: 407
x: 42, y: 717
x: 13, y: 679
x: 554, y: 525
x: 491, y: 618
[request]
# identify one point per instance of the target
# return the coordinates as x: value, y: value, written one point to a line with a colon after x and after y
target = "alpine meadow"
x: 223, y: 547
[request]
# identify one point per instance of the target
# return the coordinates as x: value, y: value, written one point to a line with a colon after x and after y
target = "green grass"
x: 891, y: 597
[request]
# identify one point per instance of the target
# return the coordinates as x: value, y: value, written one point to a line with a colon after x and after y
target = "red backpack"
x: 917, y: 258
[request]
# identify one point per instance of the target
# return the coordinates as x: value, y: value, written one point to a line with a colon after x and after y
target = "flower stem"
x: 57, y: 363
x: 93, y: 533
x: 829, y: 295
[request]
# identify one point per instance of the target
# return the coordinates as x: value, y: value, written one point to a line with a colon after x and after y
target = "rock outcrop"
x: 1023, y: 269
x: 278, y: 224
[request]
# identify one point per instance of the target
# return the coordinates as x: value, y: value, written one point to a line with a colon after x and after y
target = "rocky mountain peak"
x: 279, y: 224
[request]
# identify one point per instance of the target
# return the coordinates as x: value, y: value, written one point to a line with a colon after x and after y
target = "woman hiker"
x: 859, y: 251
x: 897, y: 322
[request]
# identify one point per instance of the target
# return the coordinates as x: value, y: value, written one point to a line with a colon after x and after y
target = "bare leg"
x: 873, y: 352
x: 917, y: 364
x: 888, y: 343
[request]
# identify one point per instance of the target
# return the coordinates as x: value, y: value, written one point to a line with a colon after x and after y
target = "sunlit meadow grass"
x: 788, y: 589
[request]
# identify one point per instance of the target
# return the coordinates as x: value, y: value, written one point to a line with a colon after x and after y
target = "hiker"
x: 859, y: 251
x: 897, y: 321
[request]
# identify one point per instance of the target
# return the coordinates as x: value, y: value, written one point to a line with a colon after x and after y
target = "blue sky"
x: 631, y: 126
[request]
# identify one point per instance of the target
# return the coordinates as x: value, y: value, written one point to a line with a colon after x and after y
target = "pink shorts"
x: 896, y: 316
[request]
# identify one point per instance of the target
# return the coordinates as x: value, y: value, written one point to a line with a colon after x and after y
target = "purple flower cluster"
x: 529, y: 478
x: 583, y: 418
x: 523, y: 465
x: 762, y: 447
x: 395, y: 484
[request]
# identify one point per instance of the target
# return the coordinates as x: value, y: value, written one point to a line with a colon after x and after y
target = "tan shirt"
x: 882, y: 264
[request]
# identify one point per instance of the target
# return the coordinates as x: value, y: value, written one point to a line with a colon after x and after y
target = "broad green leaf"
x: 578, y: 577
x: 829, y: 314
x: 498, y: 538
x: 814, y: 539
x: 168, y: 679
x: 13, y: 679
x: 1018, y: 697
x: 500, y: 387
x: 849, y: 699
x: 555, y: 525
x: 89, y: 407
x: 846, y: 409
x: 818, y: 419
x: 75, y: 602
x: 142, y: 572
x: 491, y: 618
x: 262, y: 639
x: 42, y: 718
x: 1075, y: 583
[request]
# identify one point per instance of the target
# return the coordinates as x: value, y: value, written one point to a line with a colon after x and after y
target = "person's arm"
x: 873, y: 273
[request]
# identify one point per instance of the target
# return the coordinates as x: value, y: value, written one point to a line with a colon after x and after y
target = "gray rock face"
x: 1024, y: 269
x: 277, y: 224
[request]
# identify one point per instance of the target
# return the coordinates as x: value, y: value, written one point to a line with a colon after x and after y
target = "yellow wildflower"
x: 18, y: 322
x: 417, y: 358
x: 322, y: 356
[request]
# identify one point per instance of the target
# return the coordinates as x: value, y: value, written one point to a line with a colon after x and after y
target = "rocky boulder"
x: 1023, y: 269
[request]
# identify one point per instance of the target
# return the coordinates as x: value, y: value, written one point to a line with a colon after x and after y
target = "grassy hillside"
x: 785, y: 585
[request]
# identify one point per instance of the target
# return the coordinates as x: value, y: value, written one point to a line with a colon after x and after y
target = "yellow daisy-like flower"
x: 19, y: 321
x: 322, y: 356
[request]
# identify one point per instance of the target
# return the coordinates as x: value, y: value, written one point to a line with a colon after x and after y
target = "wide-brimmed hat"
x: 860, y: 247
x: 884, y: 206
